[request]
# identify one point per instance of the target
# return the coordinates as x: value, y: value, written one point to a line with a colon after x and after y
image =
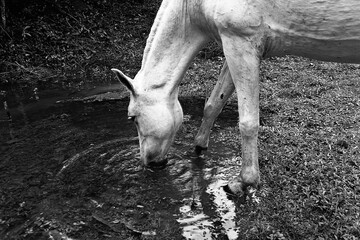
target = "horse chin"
x: 161, y: 164
x: 155, y: 160
x: 153, y: 152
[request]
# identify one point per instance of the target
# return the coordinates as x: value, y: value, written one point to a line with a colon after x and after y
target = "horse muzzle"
x: 153, y: 155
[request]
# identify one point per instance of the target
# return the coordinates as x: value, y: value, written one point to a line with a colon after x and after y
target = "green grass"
x: 309, y: 148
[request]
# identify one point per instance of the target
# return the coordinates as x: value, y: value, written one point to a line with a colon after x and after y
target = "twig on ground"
x: 7, y: 34
x: 80, y: 47
x: 3, y: 13
x: 4, y: 73
x: 26, y: 69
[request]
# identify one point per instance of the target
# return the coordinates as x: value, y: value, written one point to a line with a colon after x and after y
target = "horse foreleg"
x: 243, y: 59
x: 220, y: 94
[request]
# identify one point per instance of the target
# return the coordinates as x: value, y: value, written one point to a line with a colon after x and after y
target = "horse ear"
x: 124, y: 80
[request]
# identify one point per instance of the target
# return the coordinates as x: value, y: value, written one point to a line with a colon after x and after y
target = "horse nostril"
x: 158, y: 165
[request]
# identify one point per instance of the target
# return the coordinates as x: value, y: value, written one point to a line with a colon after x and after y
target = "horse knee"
x: 249, y: 127
x: 212, y: 110
x: 208, y: 109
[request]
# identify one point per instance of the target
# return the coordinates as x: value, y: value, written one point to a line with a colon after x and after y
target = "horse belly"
x: 323, y: 30
x: 344, y: 51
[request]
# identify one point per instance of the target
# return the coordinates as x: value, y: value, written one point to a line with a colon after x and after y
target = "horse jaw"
x: 157, y: 117
x: 157, y: 126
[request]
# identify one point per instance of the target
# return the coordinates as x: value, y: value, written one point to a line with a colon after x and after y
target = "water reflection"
x: 195, y: 184
x: 208, y: 213
x: 203, y: 210
x: 197, y: 224
x: 188, y: 192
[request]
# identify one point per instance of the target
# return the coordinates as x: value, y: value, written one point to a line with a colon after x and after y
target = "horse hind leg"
x: 220, y: 94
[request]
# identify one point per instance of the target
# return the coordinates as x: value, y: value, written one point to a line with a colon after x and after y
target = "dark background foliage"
x: 47, y: 40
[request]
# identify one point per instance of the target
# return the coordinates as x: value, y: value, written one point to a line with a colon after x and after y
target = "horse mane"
x: 157, y: 22
x: 153, y: 30
x: 184, y: 14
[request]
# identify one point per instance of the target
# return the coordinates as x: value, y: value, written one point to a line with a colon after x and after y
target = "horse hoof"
x: 158, y: 165
x: 234, y: 188
x: 235, y: 193
x: 199, y: 149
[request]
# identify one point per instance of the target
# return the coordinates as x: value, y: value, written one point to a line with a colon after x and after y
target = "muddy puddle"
x: 70, y: 169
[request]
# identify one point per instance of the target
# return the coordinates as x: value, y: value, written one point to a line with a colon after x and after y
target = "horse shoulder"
x: 242, y: 18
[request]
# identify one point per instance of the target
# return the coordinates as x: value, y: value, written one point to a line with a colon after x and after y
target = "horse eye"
x: 131, y: 118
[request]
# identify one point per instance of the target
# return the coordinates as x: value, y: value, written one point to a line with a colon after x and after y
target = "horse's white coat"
x: 248, y: 31
x: 324, y: 30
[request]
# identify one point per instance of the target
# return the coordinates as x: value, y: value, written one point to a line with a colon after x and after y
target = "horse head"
x: 157, y: 119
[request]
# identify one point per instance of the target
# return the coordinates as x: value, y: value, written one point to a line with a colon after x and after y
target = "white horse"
x: 248, y: 31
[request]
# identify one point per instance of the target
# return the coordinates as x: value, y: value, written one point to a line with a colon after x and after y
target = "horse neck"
x: 173, y: 42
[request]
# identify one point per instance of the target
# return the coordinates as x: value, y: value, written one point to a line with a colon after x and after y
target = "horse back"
x: 324, y: 30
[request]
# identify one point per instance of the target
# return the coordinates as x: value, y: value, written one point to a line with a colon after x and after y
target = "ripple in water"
x: 194, y: 184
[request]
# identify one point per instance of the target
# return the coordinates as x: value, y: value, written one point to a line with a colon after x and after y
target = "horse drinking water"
x: 248, y: 31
